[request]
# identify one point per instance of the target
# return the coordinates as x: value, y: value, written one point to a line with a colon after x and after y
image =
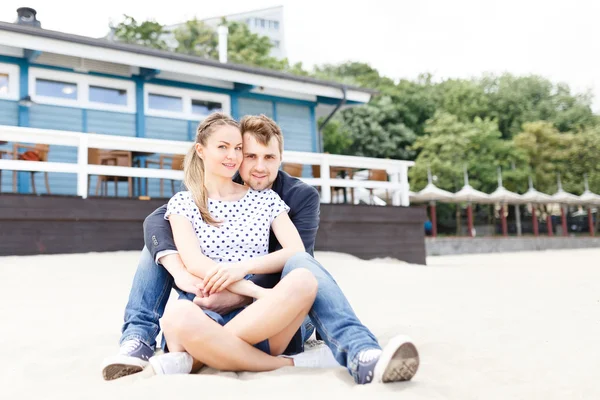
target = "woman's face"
x: 222, y: 154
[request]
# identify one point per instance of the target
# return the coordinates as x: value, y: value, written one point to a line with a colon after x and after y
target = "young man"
x: 351, y: 343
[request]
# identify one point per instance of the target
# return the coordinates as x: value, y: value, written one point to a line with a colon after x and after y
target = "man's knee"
x: 305, y: 260
x: 299, y: 260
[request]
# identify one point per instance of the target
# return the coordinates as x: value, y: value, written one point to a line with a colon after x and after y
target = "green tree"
x: 148, y: 33
x: 353, y: 73
x: 336, y: 138
x: 463, y: 98
x: 514, y: 101
x: 245, y: 47
x: 546, y: 151
x: 376, y: 130
x: 198, y: 39
x: 582, y: 158
x: 449, y: 145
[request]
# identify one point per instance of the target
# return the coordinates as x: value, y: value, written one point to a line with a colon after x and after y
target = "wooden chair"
x: 41, y: 151
x: 379, y: 175
x: 293, y: 169
x: 110, y: 157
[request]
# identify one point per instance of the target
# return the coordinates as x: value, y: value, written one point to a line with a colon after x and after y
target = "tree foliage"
x: 148, y: 33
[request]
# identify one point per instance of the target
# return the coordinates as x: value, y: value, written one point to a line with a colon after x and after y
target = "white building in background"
x: 265, y: 22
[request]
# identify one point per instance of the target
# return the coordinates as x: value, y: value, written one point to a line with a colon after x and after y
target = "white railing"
x: 397, y: 170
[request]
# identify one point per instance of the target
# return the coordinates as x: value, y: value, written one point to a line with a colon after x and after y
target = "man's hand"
x: 189, y: 283
x: 223, y: 275
x: 223, y: 302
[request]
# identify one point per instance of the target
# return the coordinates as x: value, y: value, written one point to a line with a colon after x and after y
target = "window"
x: 71, y: 89
x: 99, y: 94
x: 204, y: 107
x: 58, y: 89
x: 276, y: 44
x: 193, y: 105
x: 276, y: 25
x: 4, y: 88
x: 9, y: 81
x: 262, y: 23
x: 165, y: 103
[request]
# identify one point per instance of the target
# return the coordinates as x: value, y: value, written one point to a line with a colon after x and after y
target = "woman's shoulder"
x: 183, y: 195
x: 181, y: 198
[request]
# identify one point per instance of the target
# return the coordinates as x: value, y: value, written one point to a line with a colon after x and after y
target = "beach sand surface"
x: 495, y: 326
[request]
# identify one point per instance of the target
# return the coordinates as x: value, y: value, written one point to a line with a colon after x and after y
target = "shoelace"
x: 129, y: 346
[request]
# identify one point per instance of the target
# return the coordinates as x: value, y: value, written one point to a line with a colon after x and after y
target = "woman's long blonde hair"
x: 193, y: 165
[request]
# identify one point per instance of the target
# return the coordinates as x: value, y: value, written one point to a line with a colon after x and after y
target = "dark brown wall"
x: 373, y: 232
x: 64, y: 224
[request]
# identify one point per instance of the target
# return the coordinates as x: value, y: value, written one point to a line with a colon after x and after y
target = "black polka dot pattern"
x: 244, y: 230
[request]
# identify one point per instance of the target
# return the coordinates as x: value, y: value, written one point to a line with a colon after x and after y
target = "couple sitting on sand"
x: 237, y: 246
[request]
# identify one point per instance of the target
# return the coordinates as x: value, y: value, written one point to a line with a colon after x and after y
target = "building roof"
x: 136, y: 49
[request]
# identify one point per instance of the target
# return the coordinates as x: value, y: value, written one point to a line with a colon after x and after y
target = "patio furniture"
x: 293, y: 169
x: 118, y: 158
x: 333, y: 173
x: 37, y: 152
x: 176, y: 163
x: 378, y: 175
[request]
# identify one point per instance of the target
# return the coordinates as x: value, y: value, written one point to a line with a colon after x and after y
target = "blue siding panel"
x: 54, y: 117
x: 9, y: 113
x: 111, y: 123
x: 254, y: 107
x: 296, y: 125
x: 64, y: 119
x: 166, y: 128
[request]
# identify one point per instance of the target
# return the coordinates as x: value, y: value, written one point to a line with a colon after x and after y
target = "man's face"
x: 261, y: 163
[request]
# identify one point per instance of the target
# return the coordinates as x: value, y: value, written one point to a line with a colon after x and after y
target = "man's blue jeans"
x: 331, y: 314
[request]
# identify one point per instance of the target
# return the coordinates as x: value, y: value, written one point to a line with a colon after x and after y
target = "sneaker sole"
x: 120, y: 365
x: 401, y: 360
x: 115, y: 371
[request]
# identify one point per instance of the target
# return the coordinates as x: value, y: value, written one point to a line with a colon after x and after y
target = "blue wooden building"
x: 59, y: 81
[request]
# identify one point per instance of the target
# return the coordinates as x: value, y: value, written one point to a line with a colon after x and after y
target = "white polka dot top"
x: 244, y: 230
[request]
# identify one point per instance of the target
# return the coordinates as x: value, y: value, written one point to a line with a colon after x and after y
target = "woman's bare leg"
x: 187, y: 328
x: 278, y: 315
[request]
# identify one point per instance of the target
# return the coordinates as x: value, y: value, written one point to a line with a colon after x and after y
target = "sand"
x: 510, y: 326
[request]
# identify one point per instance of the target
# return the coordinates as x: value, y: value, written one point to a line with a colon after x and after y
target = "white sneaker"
x: 399, y: 361
x: 172, y: 363
x: 316, y: 356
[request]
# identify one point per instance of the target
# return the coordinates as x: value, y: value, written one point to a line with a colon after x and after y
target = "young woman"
x: 221, y: 230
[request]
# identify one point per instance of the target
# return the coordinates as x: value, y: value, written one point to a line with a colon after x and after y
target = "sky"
x: 402, y: 39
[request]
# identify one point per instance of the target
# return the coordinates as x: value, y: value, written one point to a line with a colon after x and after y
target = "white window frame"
x: 187, y: 95
x: 13, y: 72
x: 83, y: 83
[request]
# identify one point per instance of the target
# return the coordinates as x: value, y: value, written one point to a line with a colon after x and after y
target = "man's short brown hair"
x: 262, y: 128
